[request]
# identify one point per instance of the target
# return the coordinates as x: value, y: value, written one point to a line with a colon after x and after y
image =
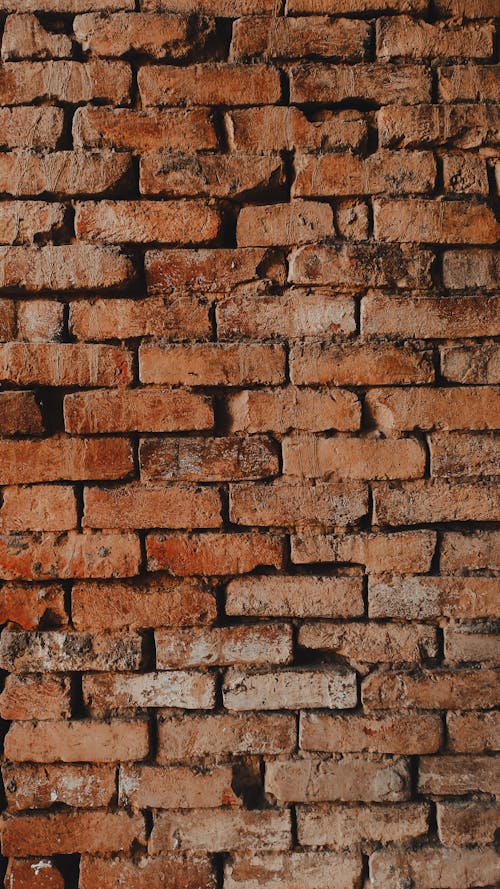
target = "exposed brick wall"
x: 247, y: 365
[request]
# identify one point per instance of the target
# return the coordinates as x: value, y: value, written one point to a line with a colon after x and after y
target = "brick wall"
x: 247, y: 366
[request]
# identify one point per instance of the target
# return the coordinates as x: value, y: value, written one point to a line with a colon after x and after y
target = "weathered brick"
x: 30, y: 787
x: 473, y: 732
x: 402, y: 172
x: 62, y: 5
x: 7, y: 320
x: 349, y: 779
x: 213, y: 553
x: 278, y: 128
x: 147, y: 602
x: 360, y: 364
x: 209, y: 84
x: 476, y: 551
x: 427, y: 598
x: 471, y: 643
x: 465, y: 174
x: 24, y: 873
x: 346, y: 827
x: 189, y: 737
x: 474, y: 364
x: 309, y: 6
x: 434, y: 500
x: 404, y: 37
x: 402, y: 551
x: 137, y: 410
x: 30, y: 127
x: 478, y: 10
x: 26, y: 222
x: 429, y: 408
x: 282, y: 224
x: 352, y: 266
x: 59, y: 651
x: 313, y: 456
x: 168, y: 222
x: 464, y: 823
x: 34, y: 696
x: 444, y: 222
x: 292, y: 870
x: 456, y: 775
x: 381, y: 83
x: 65, y: 81
x: 83, y: 740
x: 430, y: 690
x: 66, y: 267
x: 290, y: 689
x: 40, y: 320
x: 298, y: 314
x: 278, y: 410
x: 175, y: 271
x: 54, y: 555
x: 457, y: 454
x: 401, y: 733
x: 352, y: 219
x: 19, y: 413
x: 439, y: 867
x: 176, y: 788
x: 30, y: 605
x: 226, y: 829
x: 137, y: 506
x: 375, y: 643
x: 432, y: 317
x: 38, y: 508
x: 470, y: 269
x: 158, y: 36
x: 181, y: 872
x: 290, y: 503
x: 295, y: 596
x: 24, y: 37
x: 461, y: 126
x: 175, y: 174
x: 138, y: 131
x: 63, y: 458
x: 220, y: 8
x: 63, y: 833
x: 226, y: 458
x: 290, y: 38
x: 104, y: 692
x: 223, y: 645
x: 62, y: 172
x: 213, y: 364
x: 65, y: 364
x: 182, y: 317
x: 469, y: 82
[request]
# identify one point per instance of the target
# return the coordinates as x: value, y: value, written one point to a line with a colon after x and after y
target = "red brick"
x: 207, y: 459
x: 213, y: 364
x: 57, y: 651
x: 148, y: 602
x: 353, y: 266
x: 64, y: 458
x: 352, y: 219
x: 424, y: 317
x: 445, y: 222
x: 477, y: 363
x: 401, y: 733
x: 32, y: 787
x: 462, y: 553
x: 295, y: 596
x: 434, y: 500
x: 457, y: 454
x: 372, y: 643
x: 26, y: 222
x: 62, y: 5
x: 434, y: 866
x: 65, y: 364
x: 226, y: 176
x: 290, y: 38
x: 38, y: 508
x: 465, y: 174
x: 180, y: 872
x: 19, y: 413
x: 55, y: 555
x: 213, y: 553
x: 139, y: 131
x: 25, y: 873
x: 220, y: 8
x: 473, y: 732
x: 282, y: 224
x: 295, y: 315
x: 403, y: 551
x: 137, y: 506
x: 226, y: 829
x: 430, y: 690
x: 471, y: 643
x: 285, y: 503
x: 464, y: 823
x: 68, y: 267
x: 479, y: 9
x: 457, y: 775
x: 347, y: 827
x: 189, y: 737
x: 63, y: 833
x: 278, y: 410
x: 349, y: 779
x: 62, y: 172
x: 364, y: 6
x: 7, y: 320
x: 24, y: 37
x: 36, y: 697
x: 404, y: 37
x: 176, y: 271
x: 278, y: 128
x: 314, y: 456
x: 78, y: 741
x: 470, y: 82
x: 292, y: 870
x: 40, y: 320
x: 428, y: 408
x: 137, y: 410
x: 32, y: 605
x: 360, y: 364
x: 381, y: 83
x: 35, y: 127
x: 105, y: 692
x: 209, y: 84
x: 461, y: 126
x: 427, y: 598
x: 168, y: 222
x: 176, y: 788
x: 158, y: 36
x: 200, y: 647
x: 290, y: 689
x: 470, y: 269
x: 182, y: 317
x: 65, y: 81
x: 402, y: 172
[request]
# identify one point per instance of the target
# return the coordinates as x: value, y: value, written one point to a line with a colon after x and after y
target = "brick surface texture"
x: 249, y: 374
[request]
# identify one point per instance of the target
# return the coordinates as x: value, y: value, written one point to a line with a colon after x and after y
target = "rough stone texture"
x: 249, y: 375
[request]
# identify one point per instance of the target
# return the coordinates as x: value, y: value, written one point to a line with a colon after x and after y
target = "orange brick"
x: 59, y: 651
x: 207, y: 459
x: 65, y: 364
x: 209, y: 84
x: 431, y: 221
x: 288, y: 504
x: 63, y: 833
x: 439, y: 867
x: 30, y: 605
x: 54, y: 555
x: 278, y: 410
x: 137, y: 506
x: 282, y: 224
x: 64, y: 458
x: 291, y: 870
x: 105, y: 692
x: 190, y: 737
x: 402, y: 172
x: 175, y: 271
x: 348, y: 779
x: 429, y: 317
x: 375, y: 643
x: 404, y: 37
x: 430, y: 690
x: 359, y: 365
x: 40, y: 320
x: 158, y: 36
x: 78, y: 741
x: 20, y: 414
x: 457, y: 775
x: 470, y: 82
x: 184, y: 317
x: 427, y: 598
x: 168, y: 222
x: 35, y: 697
x: 382, y: 83
x: 226, y: 829
x: 464, y: 823
x: 223, y: 645
x: 24, y: 873
x: 473, y: 732
x: 428, y: 408
x: 290, y: 38
x: 213, y: 364
x: 472, y: 643
x: 410, y: 551
x: 176, y: 788
x: 38, y: 508
x: 401, y: 733
x: 289, y: 689
x: 347, y: 827
x: 460, y: 126
x: 180, y: 870
x: 474, y: 364
x: 278, y: 128
x: 292, y: 316
x: 457, y: 454
x: 30, y: 127
x: 226, y: 176
x: 32, y: 787
x: 214, y: 554
x: 136, y: 410
x: 476, y: 551
x: 470, y: 269
x: 352, y: 266
x: 434, y: 500
x: 26, y: 222
x: 313, y: 456
x: 65, y: 81
x: 138, y: 131
x: 68, y: 267
x: 295, y: 596
x: 62, y: 172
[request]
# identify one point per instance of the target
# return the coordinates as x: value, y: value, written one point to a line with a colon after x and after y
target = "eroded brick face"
x: 249, y: 369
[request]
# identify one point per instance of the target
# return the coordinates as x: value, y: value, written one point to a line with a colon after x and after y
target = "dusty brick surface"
x: 249, y: 370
